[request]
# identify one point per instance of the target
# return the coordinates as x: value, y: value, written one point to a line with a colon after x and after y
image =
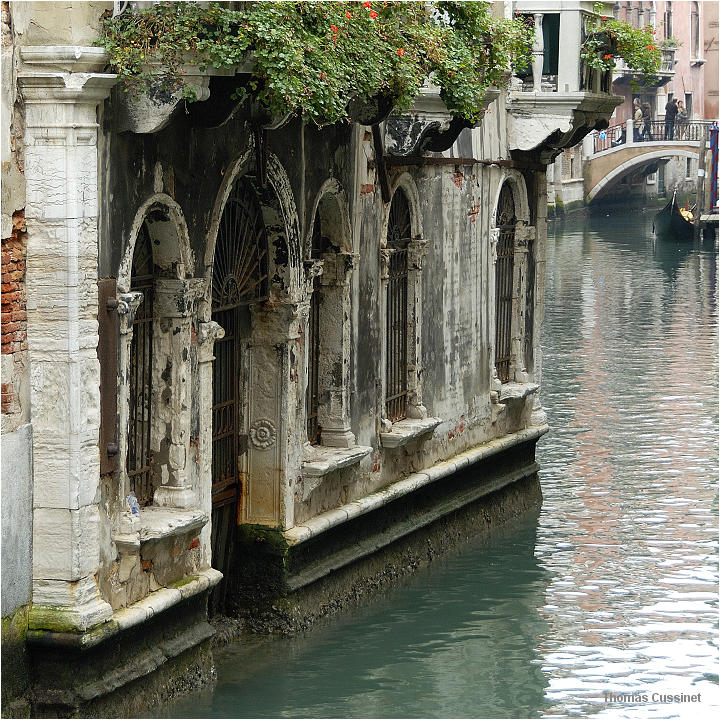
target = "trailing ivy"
x: 609, y: 38
x: 313, y: 58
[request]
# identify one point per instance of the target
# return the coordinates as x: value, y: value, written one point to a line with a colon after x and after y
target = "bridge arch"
x: 637, y: 161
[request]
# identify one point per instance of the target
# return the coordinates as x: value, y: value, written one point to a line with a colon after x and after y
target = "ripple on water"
x: 613, y: 590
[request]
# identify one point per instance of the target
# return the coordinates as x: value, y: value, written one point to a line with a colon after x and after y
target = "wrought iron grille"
x: 141, y: 360
x: 313, y: 386
x: 240, y: 278
x: 240, y: 272
x: 504, y: 271
x: 225, y: 411
x: 396, y: 358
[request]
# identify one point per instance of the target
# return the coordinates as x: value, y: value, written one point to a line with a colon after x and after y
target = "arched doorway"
x: 240, y: 279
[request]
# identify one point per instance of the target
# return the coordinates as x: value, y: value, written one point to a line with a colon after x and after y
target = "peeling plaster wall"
x: 456, y: 212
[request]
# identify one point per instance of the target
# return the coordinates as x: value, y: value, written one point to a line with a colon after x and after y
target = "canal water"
x: 612, y: 590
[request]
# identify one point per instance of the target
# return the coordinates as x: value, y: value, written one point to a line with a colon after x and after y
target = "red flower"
x: 607, y: 57
x: 650, y: 47
x: 373, y: 14
x: 604, y: 17
x: 323, y: 75
x: 367, y: 4
x: 401, y: 51
x: 334, y: 28
x: 348, y: 15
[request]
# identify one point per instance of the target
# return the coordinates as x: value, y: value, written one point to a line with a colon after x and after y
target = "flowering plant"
x: 609, y: 38
x: 315, y: 57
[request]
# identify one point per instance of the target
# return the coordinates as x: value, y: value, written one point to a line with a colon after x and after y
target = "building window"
x: 668, y: 20
x: 396, y: 328
x: 328, y: 273
x: 138, y: 461
x: 312, y: 393
x: 695, y: 30
x: 504, y: 277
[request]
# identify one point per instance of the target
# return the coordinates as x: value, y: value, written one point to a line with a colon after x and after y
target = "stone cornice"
x: 64, y: 58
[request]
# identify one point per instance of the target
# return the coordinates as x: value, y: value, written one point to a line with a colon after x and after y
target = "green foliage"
x: 609, y: 38
x: 315, y: 57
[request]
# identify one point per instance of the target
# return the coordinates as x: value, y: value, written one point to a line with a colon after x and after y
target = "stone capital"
x: 128, y: 303
x: 338, y: 267
x: 280, y: 321
x: 176, y: 298
x: 417, y: 250
x: 208, y: 333
x: 313, y: 269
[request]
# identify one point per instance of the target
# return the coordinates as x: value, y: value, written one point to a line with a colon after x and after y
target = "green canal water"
x: 612, y: 590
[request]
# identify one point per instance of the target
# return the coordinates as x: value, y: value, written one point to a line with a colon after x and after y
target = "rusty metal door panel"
x: 108, y: 329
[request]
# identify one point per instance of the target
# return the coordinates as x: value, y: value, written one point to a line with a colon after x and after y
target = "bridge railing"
x: 615, y: 135
x: 610, y: 137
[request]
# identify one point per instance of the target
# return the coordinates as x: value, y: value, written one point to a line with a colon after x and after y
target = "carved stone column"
x: 128, y: 303
x: 538, y: 53
x: 61, y: 213
x: 334, y: 404
x: 417, y: 249
x: 207, y: 334
x: 174, y: 303
x: 523, y: 239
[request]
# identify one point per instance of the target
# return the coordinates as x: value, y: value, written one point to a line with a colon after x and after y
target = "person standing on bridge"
x: 671, y: 110
x: 647, y: 122
x: 681, y: 119
x: 637, y: 120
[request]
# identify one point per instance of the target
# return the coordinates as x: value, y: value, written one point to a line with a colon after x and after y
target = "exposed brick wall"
x: 14, y: 315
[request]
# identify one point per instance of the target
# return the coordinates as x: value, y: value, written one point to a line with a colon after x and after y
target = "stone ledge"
x: 322, y: 460
x: 319, y: 524
x: 516, y: 391
x: 136, y: 614
x: 157, y: 523
x: 406, y: 430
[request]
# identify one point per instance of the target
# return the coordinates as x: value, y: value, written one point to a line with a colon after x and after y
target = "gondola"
x: 670, y: 223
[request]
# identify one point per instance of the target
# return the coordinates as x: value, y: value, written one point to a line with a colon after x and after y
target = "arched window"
x: 695, y: 30
x: 668, y: 20
x: 504, y: 277
x: 240, y: 278
x: 138, y: 460
x: 396, y: 328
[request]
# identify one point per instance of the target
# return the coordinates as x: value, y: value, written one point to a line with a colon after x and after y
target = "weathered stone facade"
x: 189, y: 275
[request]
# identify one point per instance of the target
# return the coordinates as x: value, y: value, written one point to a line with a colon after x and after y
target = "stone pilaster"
x: 61, y: 215
x: 274, y: 456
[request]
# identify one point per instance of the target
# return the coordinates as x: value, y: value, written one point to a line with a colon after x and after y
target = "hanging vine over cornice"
x: 313, y: 58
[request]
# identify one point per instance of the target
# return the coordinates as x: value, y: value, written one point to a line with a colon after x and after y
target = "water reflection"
x: 629, y: 470
x: 614, y: 588
x: 459, y: 638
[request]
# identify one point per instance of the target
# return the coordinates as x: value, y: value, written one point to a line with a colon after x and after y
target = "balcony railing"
x: 616, y: 135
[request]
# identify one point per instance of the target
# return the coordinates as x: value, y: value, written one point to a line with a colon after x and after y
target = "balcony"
x: 560, y: 99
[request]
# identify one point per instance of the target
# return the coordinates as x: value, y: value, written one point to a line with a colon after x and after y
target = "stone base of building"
x: 281, y: 587
x: 129, y: 672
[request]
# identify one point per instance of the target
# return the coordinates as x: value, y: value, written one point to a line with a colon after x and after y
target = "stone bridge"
x: 615, y: 158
